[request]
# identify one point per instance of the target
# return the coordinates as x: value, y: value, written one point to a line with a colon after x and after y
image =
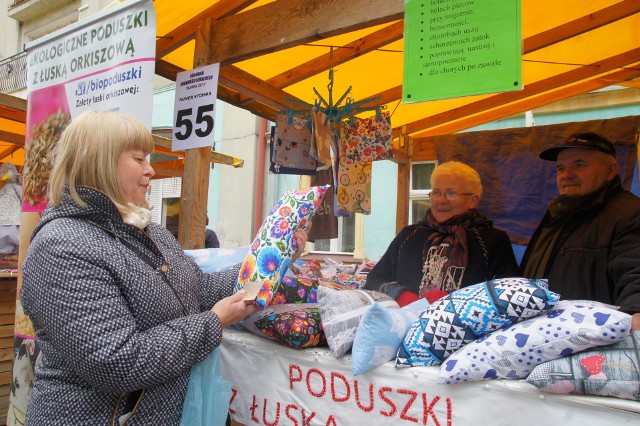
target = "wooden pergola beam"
x: 533, y: 102
x: 359, y: 47
x: 514, y: 102
x: 187, y: 31
x: 286, y: 23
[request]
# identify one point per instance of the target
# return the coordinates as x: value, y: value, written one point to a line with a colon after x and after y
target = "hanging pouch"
x: 353, y: 185
x: 293, y: 144
x: 369, y: 139
x: 282, y: 170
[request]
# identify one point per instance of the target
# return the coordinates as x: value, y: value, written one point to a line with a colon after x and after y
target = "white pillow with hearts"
x: 512, y: 352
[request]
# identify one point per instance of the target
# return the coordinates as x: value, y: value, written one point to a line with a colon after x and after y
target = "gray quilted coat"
x: 107, y: 323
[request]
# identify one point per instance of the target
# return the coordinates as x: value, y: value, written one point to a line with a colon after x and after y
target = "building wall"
x: 9, y: 34
x: 236, y: 186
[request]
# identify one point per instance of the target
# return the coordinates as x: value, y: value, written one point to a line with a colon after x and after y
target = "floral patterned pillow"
x: 273, y: 247
x: 300, y: 328
x: 296, y: 325
x: 301, y: 289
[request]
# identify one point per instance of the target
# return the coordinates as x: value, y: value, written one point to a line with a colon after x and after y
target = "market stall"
x: 273, y: 384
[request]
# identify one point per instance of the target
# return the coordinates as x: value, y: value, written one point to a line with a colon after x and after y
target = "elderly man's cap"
x: 588, y: 140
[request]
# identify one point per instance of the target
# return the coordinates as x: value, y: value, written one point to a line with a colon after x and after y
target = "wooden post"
x: 195, y: 179
x: 402, y: 203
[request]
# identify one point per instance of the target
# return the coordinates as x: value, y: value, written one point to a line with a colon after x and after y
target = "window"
x: 419, y: 190
x: 171, y: 210
x: 346, y: 241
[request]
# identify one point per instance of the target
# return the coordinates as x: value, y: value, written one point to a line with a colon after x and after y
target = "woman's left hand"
x: 301, y: 240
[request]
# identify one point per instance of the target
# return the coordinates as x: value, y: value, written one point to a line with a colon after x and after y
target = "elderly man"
x: 588, y: 243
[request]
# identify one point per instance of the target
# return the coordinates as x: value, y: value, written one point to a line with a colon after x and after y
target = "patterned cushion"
x: 512, y: 353
x: 341, y: 312
x: 295, y: 325
x: 296, y: 290
x: 461, y: 317
x: 612, y: 370
x: 300, y: 289
x: 380, y: 334
x: 273, y: 247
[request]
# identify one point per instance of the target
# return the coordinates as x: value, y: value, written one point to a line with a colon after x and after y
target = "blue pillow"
x: 470, y: 312
x: 380, y: 334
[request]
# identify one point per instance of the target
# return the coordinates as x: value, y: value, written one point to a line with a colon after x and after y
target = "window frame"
x: 418, y: 194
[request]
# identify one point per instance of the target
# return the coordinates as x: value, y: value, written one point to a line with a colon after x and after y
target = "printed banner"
x: 276, y: 385
x: 106, y: 62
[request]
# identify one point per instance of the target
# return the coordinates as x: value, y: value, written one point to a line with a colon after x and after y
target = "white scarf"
x: 136, y: 216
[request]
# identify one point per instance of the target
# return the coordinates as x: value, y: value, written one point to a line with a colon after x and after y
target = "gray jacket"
x: 106, y: 322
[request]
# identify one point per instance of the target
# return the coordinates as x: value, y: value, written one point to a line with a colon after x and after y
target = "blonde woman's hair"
x: 470, y: 178
x: 88, y: 152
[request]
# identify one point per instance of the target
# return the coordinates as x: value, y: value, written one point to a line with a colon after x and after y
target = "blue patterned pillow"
x: 470, y: 312
x: 512, y: 353
x: 380, y: 334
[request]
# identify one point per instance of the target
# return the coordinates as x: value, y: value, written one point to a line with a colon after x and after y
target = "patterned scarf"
x: 446, y: 251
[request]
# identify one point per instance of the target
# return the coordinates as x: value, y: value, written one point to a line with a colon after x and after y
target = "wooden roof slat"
x: 340, y: 55
x: 508, y: 99
x: 581, y: 25
x: 14, y: 138
x: 530, y: 103
x: 169, y: 71
x: 13, y: 108
x: 287, y: 23
x: 187, y: 31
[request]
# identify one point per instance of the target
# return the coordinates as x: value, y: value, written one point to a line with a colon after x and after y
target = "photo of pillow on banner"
x: 455, y: 49
x: 273, y: 247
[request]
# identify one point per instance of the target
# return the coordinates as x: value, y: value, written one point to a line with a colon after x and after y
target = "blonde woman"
x: 453, y: 246
x: 120, y: 313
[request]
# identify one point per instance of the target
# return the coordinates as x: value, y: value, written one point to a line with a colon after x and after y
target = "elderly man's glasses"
x: 449, y: 194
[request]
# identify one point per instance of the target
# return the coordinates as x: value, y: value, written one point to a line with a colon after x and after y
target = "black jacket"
x: 597, y: 253
x: 490, y: 256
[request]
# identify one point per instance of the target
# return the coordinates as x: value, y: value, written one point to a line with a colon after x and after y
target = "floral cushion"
x: 612, y: 370
x: 301, y: 289
x: 294, y: 325
x: 341, y: 312
x: 462, y: 316
x: 513, y: 352
x: 273, y: 247
x: 380, y: 334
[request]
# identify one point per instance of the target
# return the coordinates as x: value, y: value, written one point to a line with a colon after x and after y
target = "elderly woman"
x: 120, y: 313
x: 453, y: 246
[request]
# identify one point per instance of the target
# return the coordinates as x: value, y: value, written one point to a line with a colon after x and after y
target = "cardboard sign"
x: 459, y: 48
x: 194, y: 111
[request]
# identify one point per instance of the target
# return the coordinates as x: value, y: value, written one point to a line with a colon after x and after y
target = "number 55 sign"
x: 194, y: 110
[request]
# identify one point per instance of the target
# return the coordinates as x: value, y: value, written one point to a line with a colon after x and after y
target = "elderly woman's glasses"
x: 449, y: 194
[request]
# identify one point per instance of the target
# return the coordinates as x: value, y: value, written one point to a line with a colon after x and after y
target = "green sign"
x: 456, y: 48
